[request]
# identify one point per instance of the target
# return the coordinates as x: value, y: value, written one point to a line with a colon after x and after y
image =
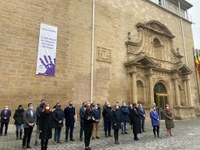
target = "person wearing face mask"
x: 116, y: 123
x: 19, y: 122
x: 97, y: 116
x: 29, y: 122
x: 5, y: 119
x: 58, y: 117
x: 38, y: 112
x: 168, y: 120
x: 69, y: 114
x: 45, y: 126
x: 82, y: 114
x: 107, y: 116
x: 142, y: 117
x: 88, y: 127
x: 155, y: 121
x: 135, y: 121
x: 124, y: 116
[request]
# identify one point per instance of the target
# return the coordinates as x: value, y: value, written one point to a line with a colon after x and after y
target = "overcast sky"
x: 194, y: 14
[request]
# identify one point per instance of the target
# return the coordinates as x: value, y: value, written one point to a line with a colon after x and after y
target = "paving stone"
x: 186, y: 136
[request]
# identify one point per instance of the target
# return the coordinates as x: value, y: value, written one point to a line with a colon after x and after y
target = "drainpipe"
x: 92, y: 54
x: 184, y: 47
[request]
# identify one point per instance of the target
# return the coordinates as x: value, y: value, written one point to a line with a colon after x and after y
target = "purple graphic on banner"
x: 46, y: 60
x: 49, y: 65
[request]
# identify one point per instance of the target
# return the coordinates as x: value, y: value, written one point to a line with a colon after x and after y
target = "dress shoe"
x: 72, y: 140
x: 28, y: 146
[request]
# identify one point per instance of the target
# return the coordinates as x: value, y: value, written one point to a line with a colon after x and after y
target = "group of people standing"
x: 45, y: 119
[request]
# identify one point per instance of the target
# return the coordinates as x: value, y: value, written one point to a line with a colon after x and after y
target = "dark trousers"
x: 81, y: 129
x: 3, y: 123
x: 107, y: 127
x: 116, y: 134
x: 27, y: 136
x: 57, y: 134
x: 88, y: 134
x: 156, y: 129
x: 71, y: 128
x: 44, y: 144
x: 142, y: 124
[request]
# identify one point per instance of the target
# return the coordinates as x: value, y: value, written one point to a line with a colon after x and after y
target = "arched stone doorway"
x: 160, y: 98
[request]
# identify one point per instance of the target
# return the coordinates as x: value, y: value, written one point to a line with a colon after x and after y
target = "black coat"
x: 69, y: 114
x: 135, y: 120
x: 116, y: 119
x: 58, y: 115
x: 45, y: 125
x: 18, y: 117
x: 107, y: 113
x: 88, y: 121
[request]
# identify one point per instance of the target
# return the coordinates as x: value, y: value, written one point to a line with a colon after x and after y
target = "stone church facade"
x: 142, y: 53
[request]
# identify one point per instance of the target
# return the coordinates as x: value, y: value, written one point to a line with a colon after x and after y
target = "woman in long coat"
x: 168, y: 120
x: 135, y: 121
x: 45, y: 127
x: 88, y: 127
x: 116, y: 123
x: 155, y: 121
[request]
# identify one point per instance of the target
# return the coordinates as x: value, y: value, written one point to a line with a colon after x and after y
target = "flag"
x: 197, y: 62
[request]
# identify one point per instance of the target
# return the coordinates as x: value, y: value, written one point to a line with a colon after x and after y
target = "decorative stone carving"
x: 144, y: 42
x: 103, y: 54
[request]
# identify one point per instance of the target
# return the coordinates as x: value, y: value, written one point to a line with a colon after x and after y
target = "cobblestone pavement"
x: 186, y: 136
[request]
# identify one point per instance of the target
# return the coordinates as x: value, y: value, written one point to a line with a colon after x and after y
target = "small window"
x: 160, y: 2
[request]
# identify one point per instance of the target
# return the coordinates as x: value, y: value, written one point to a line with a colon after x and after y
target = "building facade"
x: 141, y: 52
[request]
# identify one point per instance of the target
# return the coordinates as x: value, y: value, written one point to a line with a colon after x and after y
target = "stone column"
x: 189, y: 102
x: 134, y: 87
x: 176, y: 90
x: 185, y: 91
x: 134, y: 84
x: 151, y: 92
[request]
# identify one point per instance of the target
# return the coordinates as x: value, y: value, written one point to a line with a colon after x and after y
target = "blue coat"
x: 141, y: 112
x: 124, y: 113
x: 82, y: 113
x: 5, y: 117
x: 96, y: 114
x: 154, y: 118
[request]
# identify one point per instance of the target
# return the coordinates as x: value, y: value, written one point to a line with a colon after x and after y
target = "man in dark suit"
x: 5, y: 119
x: 29, y: 122
x: 69, y: 114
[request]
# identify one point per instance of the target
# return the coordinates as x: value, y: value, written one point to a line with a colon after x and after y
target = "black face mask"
x: 70, y: 104
x: 42, y: 104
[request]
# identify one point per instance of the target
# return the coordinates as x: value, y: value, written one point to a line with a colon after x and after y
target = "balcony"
x: 177, y: 7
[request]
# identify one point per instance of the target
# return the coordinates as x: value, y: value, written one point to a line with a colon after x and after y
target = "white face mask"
x: 47, y: 107
x: 6, y: 108
x: 31, y: 107
x: 117, y: 107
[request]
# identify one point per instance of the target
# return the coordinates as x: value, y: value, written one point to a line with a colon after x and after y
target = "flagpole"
x: 197, y: 77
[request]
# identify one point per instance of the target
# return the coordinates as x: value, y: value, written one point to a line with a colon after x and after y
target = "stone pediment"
x: 156, y: 27
x: 142, y: 60
x: 183, y: 70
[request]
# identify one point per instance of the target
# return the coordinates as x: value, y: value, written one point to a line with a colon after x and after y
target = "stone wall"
x: 20, y: 21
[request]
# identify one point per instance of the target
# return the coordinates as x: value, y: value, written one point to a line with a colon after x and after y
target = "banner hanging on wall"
x: 46, y: 61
